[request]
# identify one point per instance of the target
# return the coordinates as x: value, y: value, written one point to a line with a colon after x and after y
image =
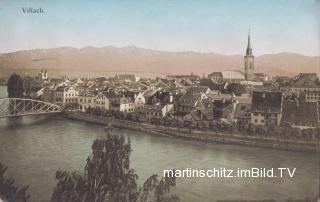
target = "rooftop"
x: 300, y: 112
x: 266, y: 101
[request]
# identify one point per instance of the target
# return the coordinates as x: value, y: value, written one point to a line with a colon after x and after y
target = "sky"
x: 219, y: 26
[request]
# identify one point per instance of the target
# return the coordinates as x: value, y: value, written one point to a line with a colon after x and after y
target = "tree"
x: 30, y: 84
x: 8, y: 191
x: 236, y: 88
x: 108, y: 177
x: 15, y: 86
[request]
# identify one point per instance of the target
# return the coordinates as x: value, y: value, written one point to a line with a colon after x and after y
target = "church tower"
x: 249, y: 62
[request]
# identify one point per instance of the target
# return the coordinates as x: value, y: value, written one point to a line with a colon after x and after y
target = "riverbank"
x: 208, y: 136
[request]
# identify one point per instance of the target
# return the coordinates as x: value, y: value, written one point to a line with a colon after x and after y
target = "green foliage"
x: 236, y: 88
x: 8, y: 191
x: 280, y: 132
x: 15, y: 86
x: 108, y: 177
x: 207, y: 82
x: 30, y: 84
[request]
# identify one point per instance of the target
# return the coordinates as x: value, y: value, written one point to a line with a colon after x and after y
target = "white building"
x: 137, y: 97
x: 91, y: 100
x: 156, y: 111
x: 86, y: 100
x: 66, y: 96
x: 122, y: 104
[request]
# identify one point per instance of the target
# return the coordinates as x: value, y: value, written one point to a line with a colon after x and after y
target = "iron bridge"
x: 12, y: 107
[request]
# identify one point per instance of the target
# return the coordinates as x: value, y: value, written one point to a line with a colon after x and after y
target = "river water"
x: 35, y: 147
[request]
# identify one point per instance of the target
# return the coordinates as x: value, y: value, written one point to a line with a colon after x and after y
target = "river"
x: 35, y: 147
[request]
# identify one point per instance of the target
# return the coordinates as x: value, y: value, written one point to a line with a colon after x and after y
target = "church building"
x: 249, y: 62
x: 247, y: 77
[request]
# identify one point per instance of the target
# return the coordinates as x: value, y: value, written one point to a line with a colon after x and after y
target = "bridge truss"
x: 11, y: 107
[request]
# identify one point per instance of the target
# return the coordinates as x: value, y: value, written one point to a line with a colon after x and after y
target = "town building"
x: 86, y: 100
x: 119, y: 102
x: 237, y: 76
x: 232, y: 76
x: 155, y: 111
x: 48, y: 94
x: 301, y: 114
x: 262, y: 77
x: 137, y: 97
x: 42, y: 76
x: 192, y: 77
x: 66, y: 96
x: 242, y: 115
x: 192, y: 99
x: 122, y: 104
x: 125, y: 77
x: 305, y: 86
x: 266, y: 108
x: 160, y: 97
x: 312, y: 95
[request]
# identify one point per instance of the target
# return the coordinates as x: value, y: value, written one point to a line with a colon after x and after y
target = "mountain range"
x: 134, y: 59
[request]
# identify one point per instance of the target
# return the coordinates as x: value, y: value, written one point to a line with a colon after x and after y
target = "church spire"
x: 249, y: 49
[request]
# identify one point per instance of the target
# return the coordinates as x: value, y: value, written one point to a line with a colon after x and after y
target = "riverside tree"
x: 108, y: 177
x: 8, y: 191
x: 15, y: 86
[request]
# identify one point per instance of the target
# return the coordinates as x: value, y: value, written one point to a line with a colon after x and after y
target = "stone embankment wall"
x: 208, y: 136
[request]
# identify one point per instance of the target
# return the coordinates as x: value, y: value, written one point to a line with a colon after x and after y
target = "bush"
x: 108, y: 177
x: 8, y: 191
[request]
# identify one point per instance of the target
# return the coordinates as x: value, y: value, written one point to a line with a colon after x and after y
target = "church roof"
x: 249, y: 49
x: 232, y: 74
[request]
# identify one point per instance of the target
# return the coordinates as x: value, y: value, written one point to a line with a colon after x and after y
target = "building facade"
x: 266, y: 108
x: 66, y: 96
x: 305, y: 86
x: 86, y: 100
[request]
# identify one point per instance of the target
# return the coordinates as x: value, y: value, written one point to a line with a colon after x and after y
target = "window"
x: 256, y: 121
